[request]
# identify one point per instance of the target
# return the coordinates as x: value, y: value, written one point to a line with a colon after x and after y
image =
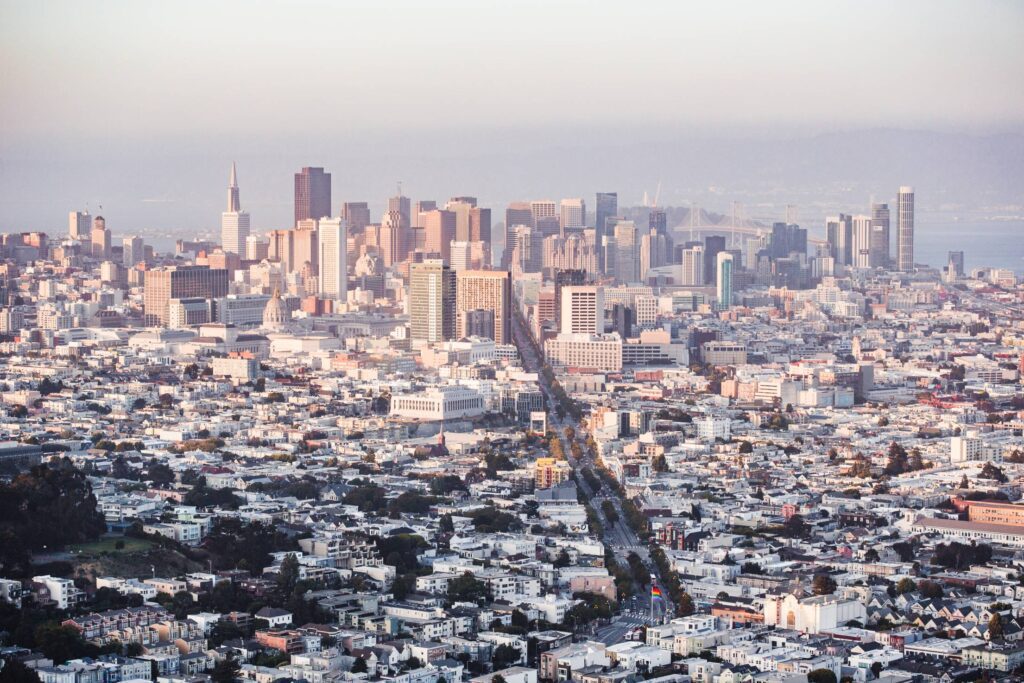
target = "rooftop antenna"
x: 399, y: 188
x: 657, y: 195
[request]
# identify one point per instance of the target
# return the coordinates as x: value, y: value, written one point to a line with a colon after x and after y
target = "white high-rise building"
x: 905, y: 230
x: 234, y: 223
x: 861, y: 251
x: 627, y: 252
x: 79, y: 225
x: 257, y: 248
x: 542, y: 208
x: 134, y: 250
x: 333, y: 244
x: 692, y: 267
x: 582, y: 310
x: 573, y: 214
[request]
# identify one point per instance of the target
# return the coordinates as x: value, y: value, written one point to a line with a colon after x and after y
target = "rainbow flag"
x: 655, y: 591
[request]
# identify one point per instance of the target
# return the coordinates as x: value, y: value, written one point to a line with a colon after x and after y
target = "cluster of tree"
x: 592, y: 480
x: 795, y: 527
x: 670, y: 582
x: 49, y: 506
x: 823, y: 584
x: 305, y: 488
x: 367, y: 496
x: 47, y: 386
x: 610, y: 513
x: 957, y: 555
x: 635, y: 519
x: 234, y: 544
x: 990, y: 471
x: 209, y: 445
x: 497, y: 462
x: 447, y: 485
x: 673, y: 414
x: 592, y: 608
x: 490, y: 520
x: 900, y: 461
x: 411, y: 502
x: 777, y: 422
x: 467, y: 588
x: 593, y: 522
x: 203, y: 496
x: 1015, y: 456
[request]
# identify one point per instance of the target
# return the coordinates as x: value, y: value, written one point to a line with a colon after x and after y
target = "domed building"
x: 275, y: 315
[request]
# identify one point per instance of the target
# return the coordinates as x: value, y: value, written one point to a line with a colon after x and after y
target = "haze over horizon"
x: 749, y: 102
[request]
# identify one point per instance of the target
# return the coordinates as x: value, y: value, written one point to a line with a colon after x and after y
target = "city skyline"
x: 550, y: 341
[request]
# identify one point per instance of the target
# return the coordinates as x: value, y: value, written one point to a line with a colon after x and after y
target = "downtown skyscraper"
x: 905, y: 230
x: 607, y: 206
x: 234, y: 223
x: 333, y: 245
x: 312, y: 194
x: 432, y: 291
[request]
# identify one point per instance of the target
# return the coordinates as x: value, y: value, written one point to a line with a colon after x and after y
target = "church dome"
x: 276, y: 313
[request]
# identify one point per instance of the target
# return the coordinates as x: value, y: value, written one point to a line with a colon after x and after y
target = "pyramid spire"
x: 234, y: 204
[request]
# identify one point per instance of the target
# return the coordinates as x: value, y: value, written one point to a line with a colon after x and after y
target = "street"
x: 618, y: 535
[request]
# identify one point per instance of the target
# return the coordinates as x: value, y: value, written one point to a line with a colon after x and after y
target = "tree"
x: 14, y: 671
x: 288, y: 575
x: 160, y: 474
x: 990, y: 471
x: 821, y: 676
x: 795, y: 527
x: 226, y: 670
x: 898, y: 462
x: 467, y: 588
x: 49, y: 506
x: 359, y: 666
x: 823, y: 584
x: 915, y: 463
x: 930, y: 589
x: 686, y: 606
x: 61, y: 643
x: 995, y: 627
x: 181, y: 604
x: 746, y: 447
x: 905, y: 585
x: 871, y: 555
x: 505, y: 656
x: 445, y: 524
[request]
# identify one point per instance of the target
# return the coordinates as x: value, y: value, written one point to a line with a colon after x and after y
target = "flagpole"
x: 652, y: 599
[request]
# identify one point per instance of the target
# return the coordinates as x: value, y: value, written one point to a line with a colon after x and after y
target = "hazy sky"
x: 141, y: 105
x: 141, y: 67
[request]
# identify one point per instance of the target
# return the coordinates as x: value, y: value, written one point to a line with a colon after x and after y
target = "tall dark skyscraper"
x: 657, y: 220
x: 607, y: 207
x: 956, y: 261
x: 787, y: 238
x: 312, y: 194
x: 780, y: 240
x: 880, y: 235
x: 712, y: 245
